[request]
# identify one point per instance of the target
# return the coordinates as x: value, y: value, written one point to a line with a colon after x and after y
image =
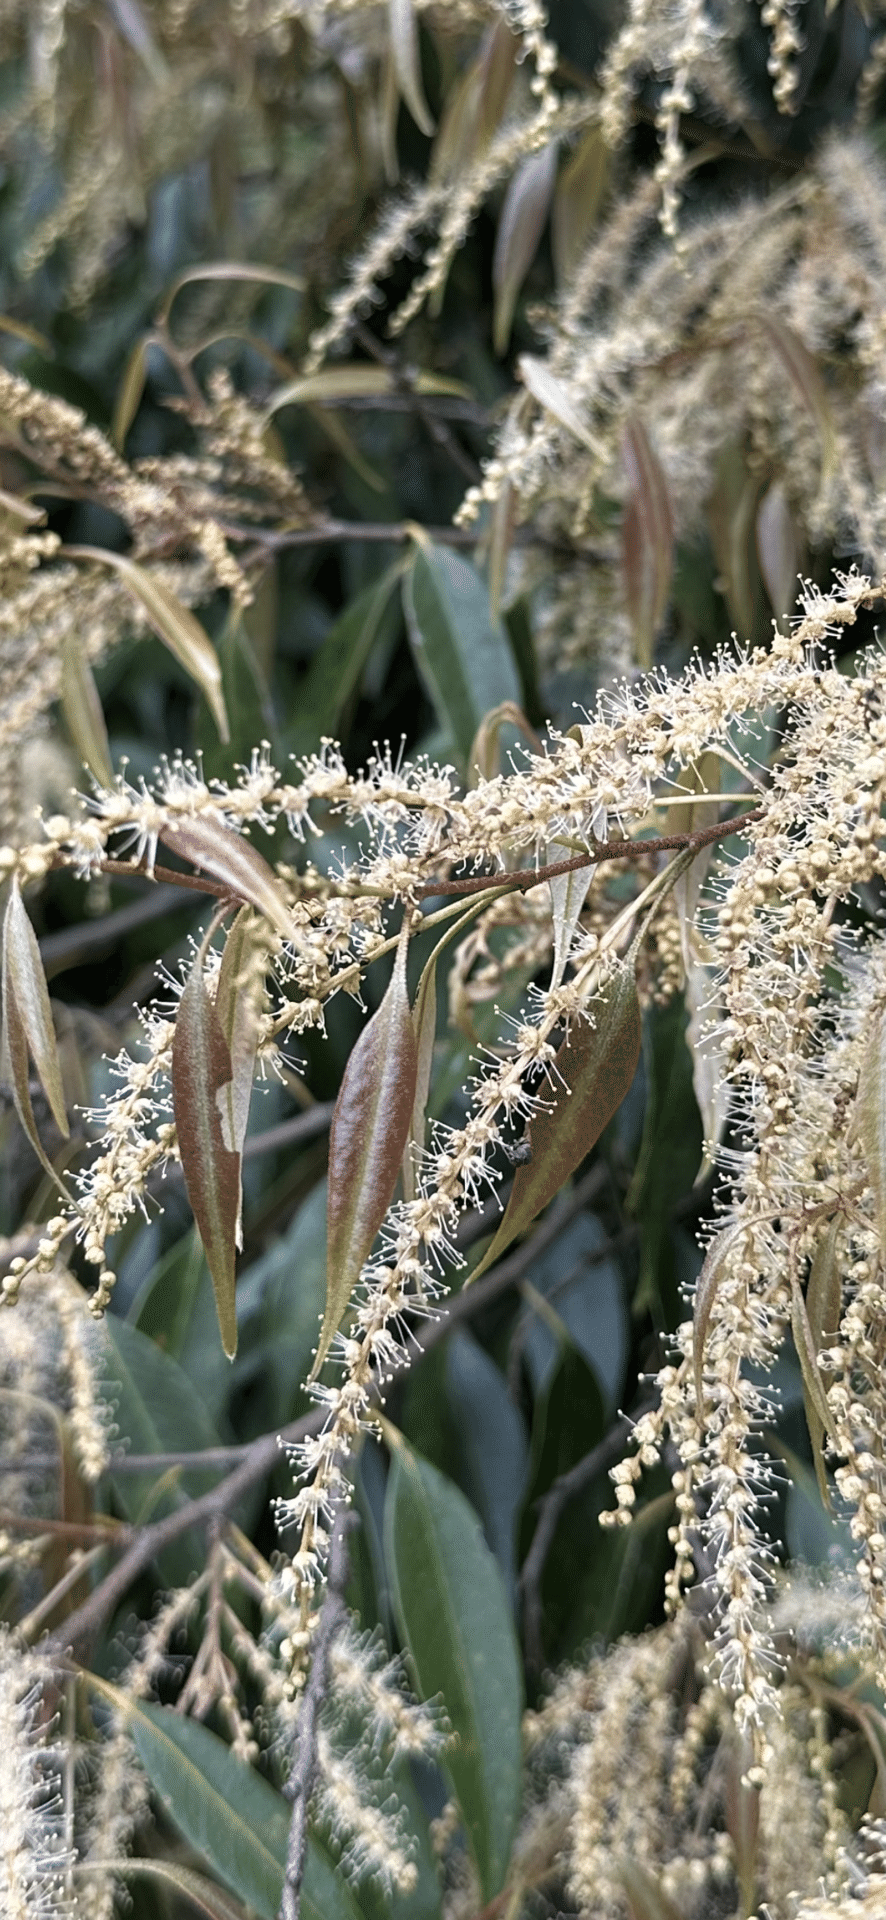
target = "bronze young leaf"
x: 592, y: 1073
x: 201, y: 1071
x: 370, y: 1127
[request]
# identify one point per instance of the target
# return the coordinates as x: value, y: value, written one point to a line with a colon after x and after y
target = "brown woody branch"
x: 602, y: 850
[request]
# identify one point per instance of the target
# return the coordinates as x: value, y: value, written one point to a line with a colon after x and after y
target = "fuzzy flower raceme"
x: 36, y: 1857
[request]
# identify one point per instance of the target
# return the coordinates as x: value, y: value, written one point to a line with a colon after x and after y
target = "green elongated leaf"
x: 27, y: 1028
x: 407, y: 65
x: 336, y: 671
x: 578, y: 199
x: 232, y: 859
x: 462, y: 653
x: 807, y: 1354
x: 424, y: 1020
x: 359, y: 380
x: 454, y: 1618
x: 202, y: 1071
x: 229, y: 270
x: 370, y: 1127
x: 424, y: 1017
x: 227, y: 1812
x: 551, y: 394
x: 82, y: 709
x: 524, y: 211
x: 173, y: 623
x: 129, y: 393
x: 592, y: 1073
x: 647, y: 539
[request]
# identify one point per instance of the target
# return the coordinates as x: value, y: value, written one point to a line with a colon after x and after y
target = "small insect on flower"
x: 519, y: 1152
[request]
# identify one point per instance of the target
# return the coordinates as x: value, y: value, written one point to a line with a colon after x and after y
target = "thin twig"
x: 602, y: 850
x: 333, y: 1614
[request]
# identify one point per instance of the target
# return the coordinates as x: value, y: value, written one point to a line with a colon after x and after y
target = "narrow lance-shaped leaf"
x: 173, y: 623
x: 647, y: 539
x: 777, y: 549
x: 370, y: 1128
x: 239, y: 999
x: 805, y: 372
x: 523, y: 215
x: 554, y: 397
x: 569, y: 892
x: 27, y: 1031
x: 578, y: 199
x: 407, y: 65
x: 230, y: 858
x: 201, y: 1072
x: 424, y: 1020
x: 455, y: 1620
x: 82, y: 709
x: 591, y: 1074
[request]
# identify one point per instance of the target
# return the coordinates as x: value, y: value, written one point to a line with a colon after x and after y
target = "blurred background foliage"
x: 140, y: 142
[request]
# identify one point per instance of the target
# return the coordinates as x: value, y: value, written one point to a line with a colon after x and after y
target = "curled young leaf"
x: 173, y: 623
x: 230, y: 858
x: 28, y: 1031
x: 592, y: 1073
x: 202, y: 1072
x: 777, y: 549
x: 370, y: 1128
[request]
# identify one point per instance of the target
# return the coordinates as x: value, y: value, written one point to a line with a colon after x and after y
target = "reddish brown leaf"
x: 228, y: 857
x: 523, y: 215
x: 201, y: 1076
x: 370, y: 1128
x: 592, y: 1073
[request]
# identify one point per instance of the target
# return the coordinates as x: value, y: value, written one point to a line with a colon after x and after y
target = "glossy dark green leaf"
x: 336, y: 670
x: 591, y: 1075
x: 491, y: 1439
x: 454, y: 1618
x: 201, y: 1077
x: 228, y: 1813
x: 463, y: 654
x: 367, y: 1139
